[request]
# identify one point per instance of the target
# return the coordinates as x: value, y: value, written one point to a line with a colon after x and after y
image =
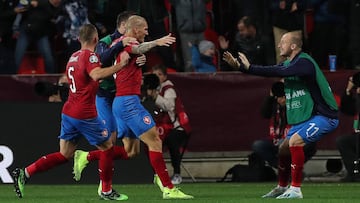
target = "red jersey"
x: 128, y: 79
x: 81, y: 100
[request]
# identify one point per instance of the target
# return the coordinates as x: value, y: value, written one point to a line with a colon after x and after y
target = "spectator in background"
x: 74, y: 14
x: 63, y: 92
x: 354, y: 34
x: 191, y: 24
x: 330, y: 31
x: 202, y: 56
x: 8, y: 12
x: 96, y: 13
x: 250, y: 41
x: 112, y: 8
x: 227, y: 14
x: 154, y: 11
x: 165, y: 99
x: 348, y: 144
x: 36, y: 27
x: 287, y: 15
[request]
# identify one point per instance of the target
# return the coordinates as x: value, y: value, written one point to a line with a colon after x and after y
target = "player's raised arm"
x: 146, y: 46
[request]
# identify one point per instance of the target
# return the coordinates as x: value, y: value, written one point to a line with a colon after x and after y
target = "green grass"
x: 203, y: 192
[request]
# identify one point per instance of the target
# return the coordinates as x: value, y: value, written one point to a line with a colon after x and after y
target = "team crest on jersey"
x: 147, y: 120
x: 93, y: 59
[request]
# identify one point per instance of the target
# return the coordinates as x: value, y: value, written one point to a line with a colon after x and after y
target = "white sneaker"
x: 176, y: 179
x: 275, y: 192
x: 291, y: 194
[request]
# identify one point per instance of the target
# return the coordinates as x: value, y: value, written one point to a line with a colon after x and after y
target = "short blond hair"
x: 134, y: 21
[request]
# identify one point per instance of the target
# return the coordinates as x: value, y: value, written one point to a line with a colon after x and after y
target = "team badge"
x: 93, y: 59
x: 147, y: 120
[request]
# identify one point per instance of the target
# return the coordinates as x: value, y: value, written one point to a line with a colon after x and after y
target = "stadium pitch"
x: 203, y: 192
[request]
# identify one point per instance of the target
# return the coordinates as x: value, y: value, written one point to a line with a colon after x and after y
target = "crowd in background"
x: 47, y: 30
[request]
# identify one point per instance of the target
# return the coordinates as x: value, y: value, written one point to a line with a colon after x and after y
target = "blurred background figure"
x: 250, y: 41
x: 354, y: 34
x: 8, y: 12
x: 165, y: 105
x: 330, y: 34
x: 57, y: 92
x: 287, y: 15
x: 348, y: 144
x: 37, y: 26
x: 74, y: 14
x: 191, y: 24
x: 202, y: 56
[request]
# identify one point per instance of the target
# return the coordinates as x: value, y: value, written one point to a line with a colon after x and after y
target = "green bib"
x: 299, y: 103
x: 107, y: 83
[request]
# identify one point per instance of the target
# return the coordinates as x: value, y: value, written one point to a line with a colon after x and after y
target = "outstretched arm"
x: 146, y: 46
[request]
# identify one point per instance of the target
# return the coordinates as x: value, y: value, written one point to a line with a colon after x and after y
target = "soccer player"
x: 134, y: 123
x: 311, y: 108
x: 108, y: 49
x: 79, y: 117
x: 128, y: 109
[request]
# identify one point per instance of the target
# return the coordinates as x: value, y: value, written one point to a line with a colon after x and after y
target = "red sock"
x: 94, y: 155
x: 106, y: 168
x: 158, y: 164
x: 297, y: 165
x: 284, y: 170
x: 45, y: 163
x: 119, y: 153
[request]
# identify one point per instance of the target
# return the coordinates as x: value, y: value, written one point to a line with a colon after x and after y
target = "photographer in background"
x: 55, y: 92
x: 348, y: 144
x: 165, y: 105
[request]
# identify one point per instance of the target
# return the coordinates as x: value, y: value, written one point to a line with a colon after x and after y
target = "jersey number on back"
x: 72, y: 79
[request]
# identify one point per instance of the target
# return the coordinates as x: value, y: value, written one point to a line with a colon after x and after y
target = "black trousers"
x: 346, y: 145
x: 174, y: 141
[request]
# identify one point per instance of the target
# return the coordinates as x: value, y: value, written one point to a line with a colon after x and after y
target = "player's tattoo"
x: 143, y: 47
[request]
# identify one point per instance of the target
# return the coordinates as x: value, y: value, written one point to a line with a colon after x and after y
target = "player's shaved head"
x: 135, y: 21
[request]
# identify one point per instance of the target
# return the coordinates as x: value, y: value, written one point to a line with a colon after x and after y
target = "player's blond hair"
x: 134, y: 21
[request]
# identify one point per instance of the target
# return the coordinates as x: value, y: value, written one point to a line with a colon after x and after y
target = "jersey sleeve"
x: 92, y: 62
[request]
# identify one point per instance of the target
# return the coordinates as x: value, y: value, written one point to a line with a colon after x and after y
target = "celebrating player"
x: 79, y: 117
x: 311, y: 108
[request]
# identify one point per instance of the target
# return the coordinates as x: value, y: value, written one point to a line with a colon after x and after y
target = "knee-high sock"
x: 106, y: 169
x: 297, y: 165
x: 45, y: 163
x: 158, y: 164
x: 284, y: 170
x: 119, y: 153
